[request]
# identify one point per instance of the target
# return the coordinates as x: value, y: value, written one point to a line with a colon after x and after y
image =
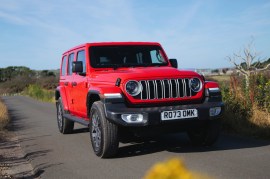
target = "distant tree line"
x: 14, y: 79
x: 11, y: 72
x: 255, y: 66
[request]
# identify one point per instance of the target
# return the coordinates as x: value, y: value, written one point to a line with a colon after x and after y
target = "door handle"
x: 74, y: 83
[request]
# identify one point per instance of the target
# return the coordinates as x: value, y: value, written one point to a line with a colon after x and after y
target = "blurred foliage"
x: 172, y: 169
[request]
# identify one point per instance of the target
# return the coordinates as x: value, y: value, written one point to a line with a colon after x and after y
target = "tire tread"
x: 110, y: 133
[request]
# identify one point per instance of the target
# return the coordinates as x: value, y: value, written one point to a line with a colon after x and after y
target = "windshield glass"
x: 126, y: 56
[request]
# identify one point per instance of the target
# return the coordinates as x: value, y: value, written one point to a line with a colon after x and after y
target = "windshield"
x: 126, y: 56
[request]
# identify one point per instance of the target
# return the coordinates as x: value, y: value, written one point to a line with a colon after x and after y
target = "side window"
x: 64, y: 66
x: 81, y: 57
x: 70, y: 60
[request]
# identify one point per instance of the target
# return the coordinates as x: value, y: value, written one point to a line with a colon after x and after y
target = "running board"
x: 77, y: 119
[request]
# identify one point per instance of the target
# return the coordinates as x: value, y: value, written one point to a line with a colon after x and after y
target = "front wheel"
x: 103, y: 133
x: 205, y: 135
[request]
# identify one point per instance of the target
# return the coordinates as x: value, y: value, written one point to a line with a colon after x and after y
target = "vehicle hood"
x: 140, y: 73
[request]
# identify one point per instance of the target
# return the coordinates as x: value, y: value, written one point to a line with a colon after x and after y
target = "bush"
x: 16, y: 85
x: 49, y: 83
x: 247, y: 111
x: 260, y: 91
x: 36, y: 91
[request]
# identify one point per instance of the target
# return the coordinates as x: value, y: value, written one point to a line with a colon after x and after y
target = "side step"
x: 77, y: 119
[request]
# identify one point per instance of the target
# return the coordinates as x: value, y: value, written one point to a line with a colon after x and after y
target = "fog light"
x: 214, y: 111
x: 132, y: 118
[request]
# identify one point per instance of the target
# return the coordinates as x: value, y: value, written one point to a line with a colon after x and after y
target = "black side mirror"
x: 77, y: 67
x: 174, y: 63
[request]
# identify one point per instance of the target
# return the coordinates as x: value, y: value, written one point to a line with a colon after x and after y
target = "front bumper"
x: 152, y: 115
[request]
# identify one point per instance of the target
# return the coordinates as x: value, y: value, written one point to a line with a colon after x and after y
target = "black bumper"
x: 152, y: 115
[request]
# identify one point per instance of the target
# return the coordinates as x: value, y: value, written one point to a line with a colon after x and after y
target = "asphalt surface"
x: 54, y: 155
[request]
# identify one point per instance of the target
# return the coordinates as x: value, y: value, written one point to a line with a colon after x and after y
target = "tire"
x: 205, y: 135
x: 103, y: 133
x: 65, y: 126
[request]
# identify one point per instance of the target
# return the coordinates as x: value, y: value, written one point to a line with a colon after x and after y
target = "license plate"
x: 179, y: 114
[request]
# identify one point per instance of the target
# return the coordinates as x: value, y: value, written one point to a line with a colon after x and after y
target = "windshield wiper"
x: 131, y: 65
x: 115, y: 66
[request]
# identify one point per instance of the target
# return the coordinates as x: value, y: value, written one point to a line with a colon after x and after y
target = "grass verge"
x: 4, y: 118
x: 246, y: 114
x: 256, y: 124
x: 37, y: 92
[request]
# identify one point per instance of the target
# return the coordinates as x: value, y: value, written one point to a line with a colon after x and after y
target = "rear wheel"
x: 103, y: 133
x: 65, y: 126
x: 207, y: 134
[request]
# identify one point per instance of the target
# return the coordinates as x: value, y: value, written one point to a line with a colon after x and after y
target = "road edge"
x: 14, y: 163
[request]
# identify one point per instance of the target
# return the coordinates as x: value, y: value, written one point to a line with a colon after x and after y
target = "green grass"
x: 36, y: 92
x: 219, y: 78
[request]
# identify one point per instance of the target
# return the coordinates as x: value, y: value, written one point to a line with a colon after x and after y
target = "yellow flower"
x: 172, y: 169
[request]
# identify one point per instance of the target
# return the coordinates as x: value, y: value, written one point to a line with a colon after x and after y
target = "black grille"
x: 162, y: 89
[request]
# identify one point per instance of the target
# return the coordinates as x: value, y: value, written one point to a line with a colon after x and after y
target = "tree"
x: 247, y: 62
x: 9, y: 73
x: 215, y: 71
x: 46, y: 73
x: 224, y: 70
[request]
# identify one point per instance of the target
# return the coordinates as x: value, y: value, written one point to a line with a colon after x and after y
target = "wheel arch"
x: 60, y: 92
x: 57, y: 94
x: 92, y: 96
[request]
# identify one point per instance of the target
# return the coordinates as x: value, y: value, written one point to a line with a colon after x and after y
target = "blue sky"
x: 199, y: 33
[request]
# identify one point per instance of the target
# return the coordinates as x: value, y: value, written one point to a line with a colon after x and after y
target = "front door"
x: 80, y: 88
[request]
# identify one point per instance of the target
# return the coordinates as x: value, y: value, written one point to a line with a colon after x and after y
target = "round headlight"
x: 133, y: 88
x: 195, y: 84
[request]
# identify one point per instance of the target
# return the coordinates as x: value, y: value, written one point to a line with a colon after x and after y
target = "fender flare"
x: 92, y: 96
x: 61, y: 92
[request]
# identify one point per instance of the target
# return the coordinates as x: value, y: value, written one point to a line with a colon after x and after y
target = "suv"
x: 126, y: 90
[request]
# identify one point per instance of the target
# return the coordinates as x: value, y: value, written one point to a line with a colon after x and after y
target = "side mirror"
x: 174, y: 63
x: 77, y: 67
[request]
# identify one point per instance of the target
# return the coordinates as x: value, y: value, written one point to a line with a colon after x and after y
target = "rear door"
x: 68, y: 82
x: 63, y: 80
x: 63, y: 72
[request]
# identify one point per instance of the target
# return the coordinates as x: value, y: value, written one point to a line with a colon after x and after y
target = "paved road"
x: 54, y: 155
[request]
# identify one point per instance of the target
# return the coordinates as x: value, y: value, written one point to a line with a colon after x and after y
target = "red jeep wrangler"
x: 126, y: 89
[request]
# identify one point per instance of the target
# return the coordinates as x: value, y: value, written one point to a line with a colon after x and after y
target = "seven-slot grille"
x: 162, y: 89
